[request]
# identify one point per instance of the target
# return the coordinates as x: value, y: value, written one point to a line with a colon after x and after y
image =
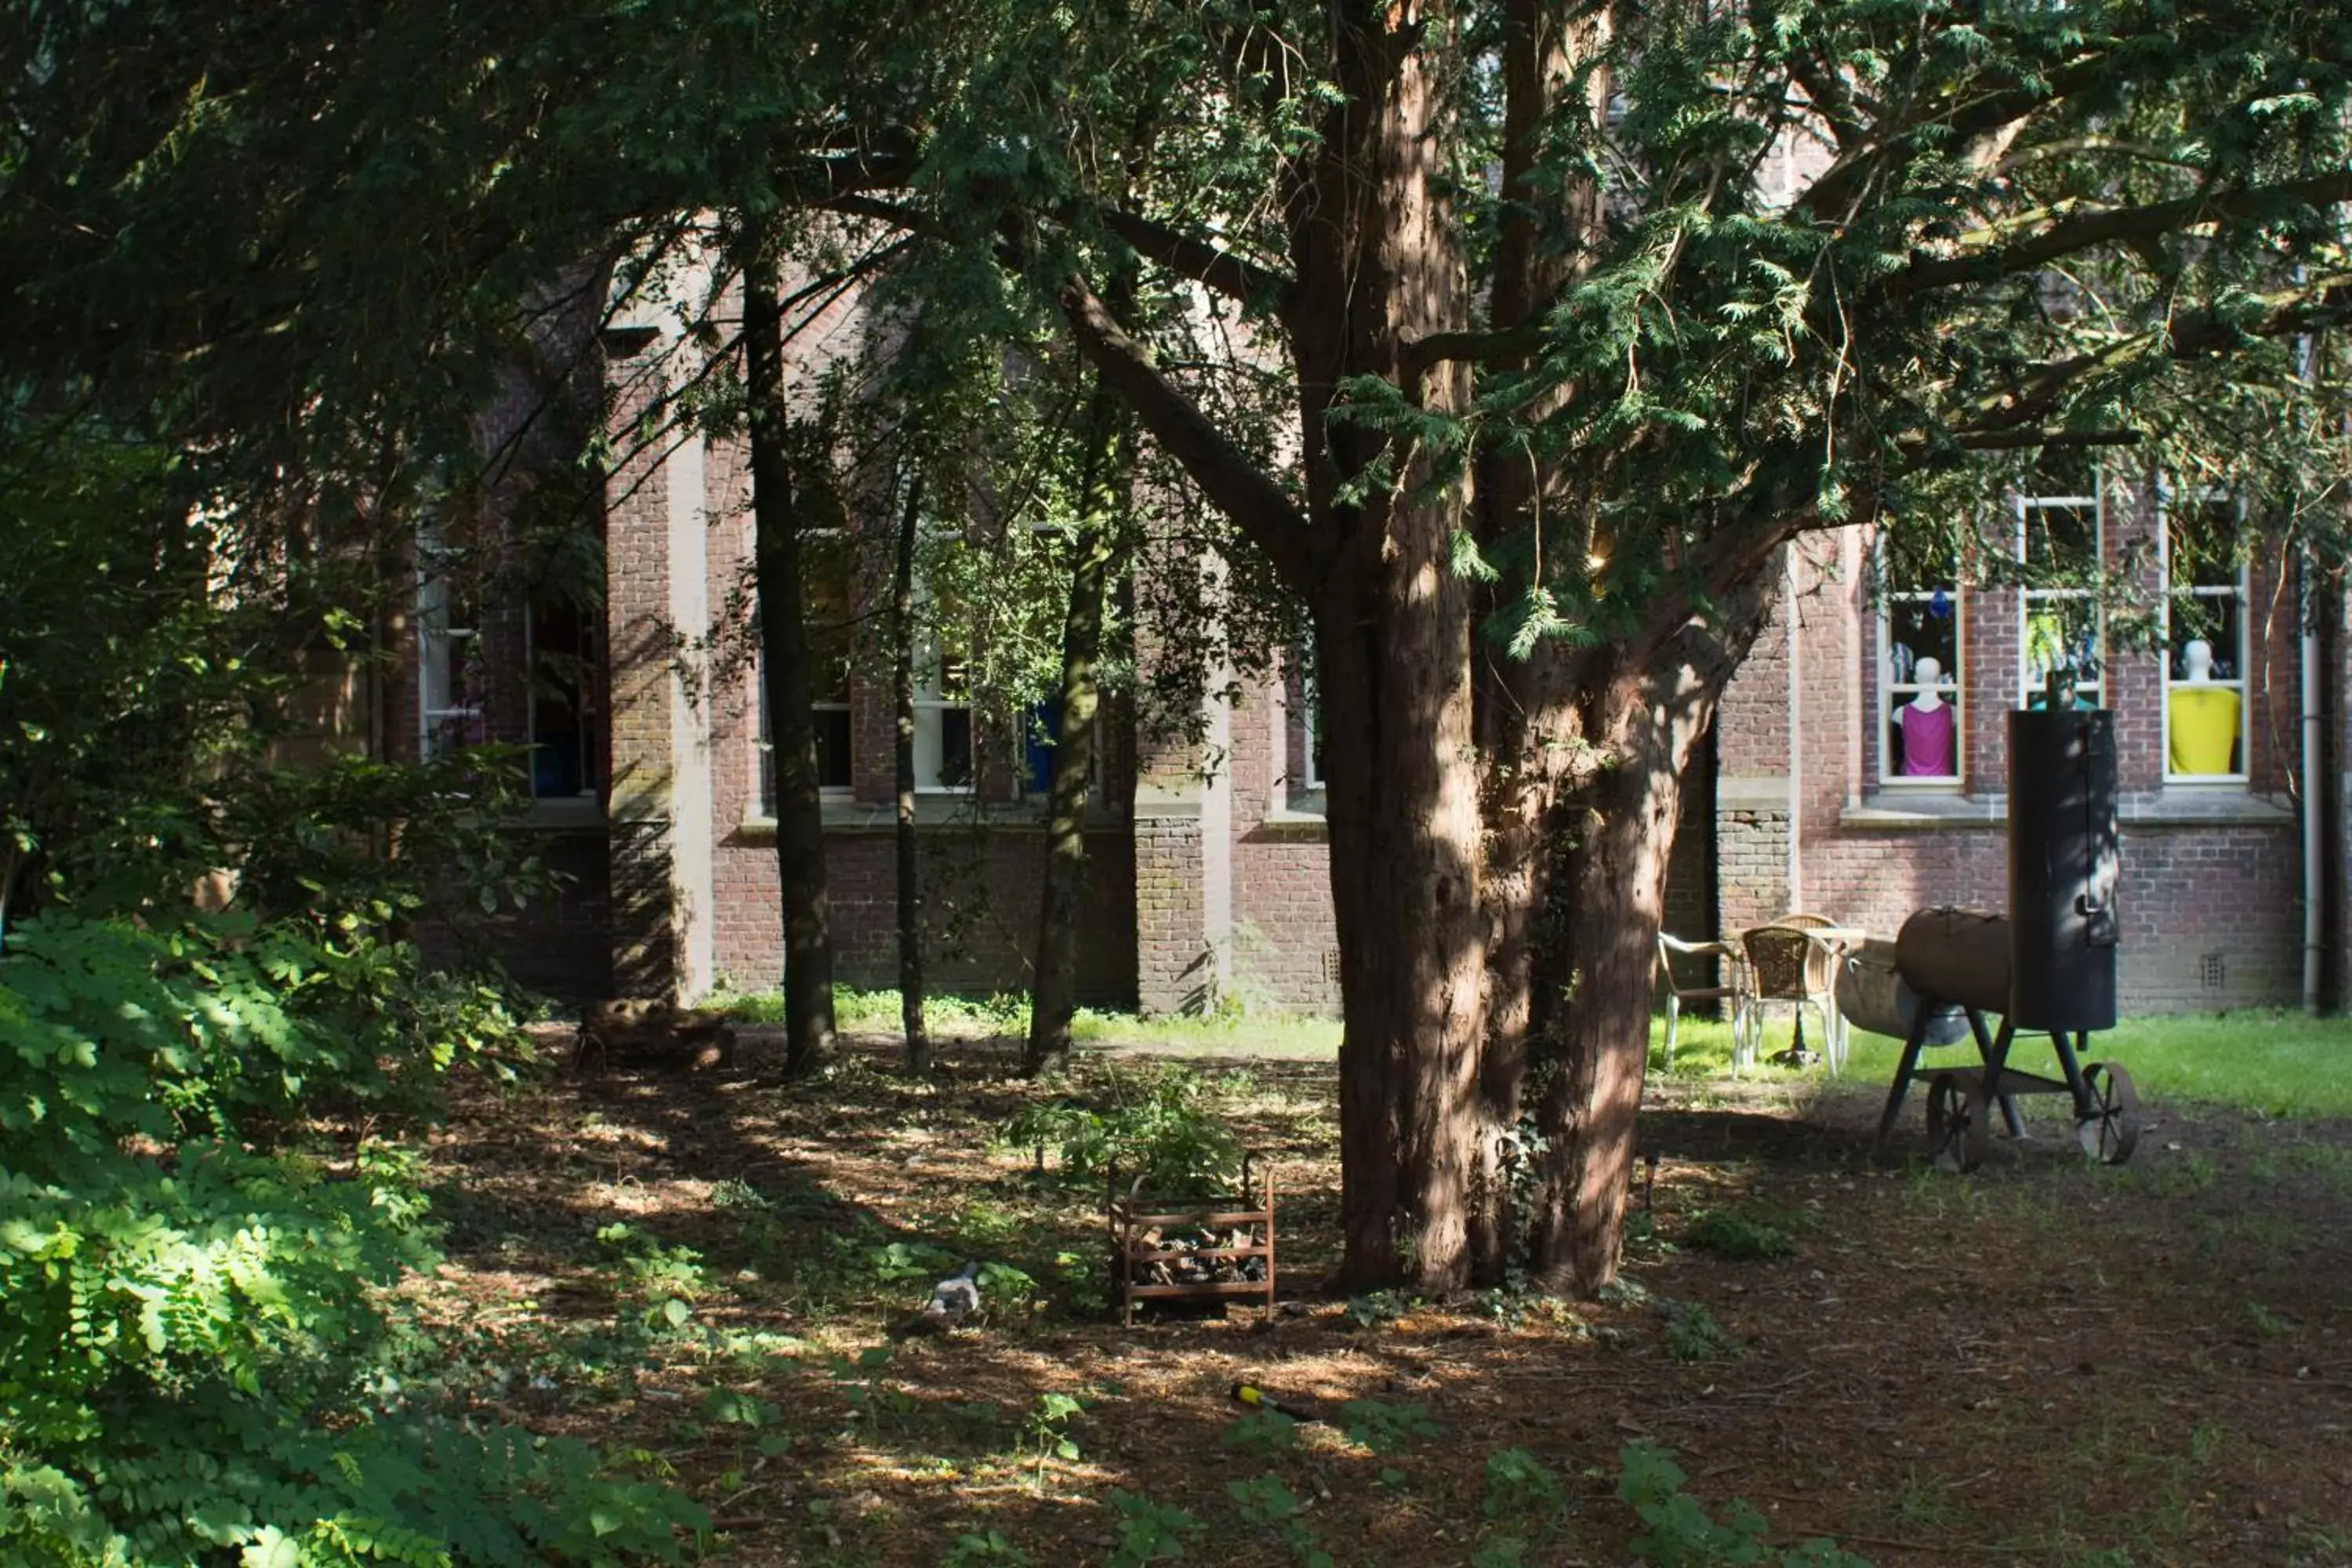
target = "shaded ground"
x: 2042, y: 1363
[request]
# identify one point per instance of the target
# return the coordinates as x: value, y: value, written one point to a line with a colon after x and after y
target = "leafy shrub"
x: 1734, y: 1234
x: 1157, y: 1124
x: 196, y: 1354
x: 1147, y: 1531
x: 1681, y: 1533
x: 1693, y: 1334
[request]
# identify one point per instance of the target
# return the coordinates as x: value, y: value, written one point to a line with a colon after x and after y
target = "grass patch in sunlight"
x: 1007, y: 1015
x: 2280, y: 1063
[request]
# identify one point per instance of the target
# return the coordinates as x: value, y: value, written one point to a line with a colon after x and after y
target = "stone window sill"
x: 931, y: 811
x: 2174, y: 805
x: 1302, y: 818
x: 557, y: 813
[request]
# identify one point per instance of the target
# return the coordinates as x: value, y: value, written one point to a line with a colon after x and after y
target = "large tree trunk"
x: 910, y: 870
x: 1393, y: 672
x: 790, y: 679
x: 1647, y: 705
x: 1380, y: 268
x: 1097, y: 558
x: 1528, y: 730
x: 1612, y: 887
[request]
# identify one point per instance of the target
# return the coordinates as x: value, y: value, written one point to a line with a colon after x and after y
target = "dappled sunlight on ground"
x: 2042, y: 1363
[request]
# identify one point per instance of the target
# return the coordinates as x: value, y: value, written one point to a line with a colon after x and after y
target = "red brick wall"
x: 980, y: 890
x: 1284, y: 940
x: 2210, y: 907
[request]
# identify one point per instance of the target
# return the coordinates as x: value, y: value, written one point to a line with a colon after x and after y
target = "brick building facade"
x: 1211, y: 881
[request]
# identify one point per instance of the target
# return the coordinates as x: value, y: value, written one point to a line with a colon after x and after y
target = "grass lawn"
x: 2274, y: 1063
x: 2045, y: 1361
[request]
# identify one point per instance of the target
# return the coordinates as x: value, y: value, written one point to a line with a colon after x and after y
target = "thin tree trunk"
x: 910, y: 871
x: 1097, y: 557
x: 790, y: 679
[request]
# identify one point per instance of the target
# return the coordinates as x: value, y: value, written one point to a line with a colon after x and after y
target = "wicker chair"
x: 1787, y: 962
x: 1732, y: 991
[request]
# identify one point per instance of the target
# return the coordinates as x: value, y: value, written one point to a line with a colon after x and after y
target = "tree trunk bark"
x: 1392, y: 661
x: 1528, y: 730
x: 1097, y: 558
x: 1613, y: 888
x: 910, y: 870
x: 789, y: 677
x: 1379, y: 267
x: 1648, y: 705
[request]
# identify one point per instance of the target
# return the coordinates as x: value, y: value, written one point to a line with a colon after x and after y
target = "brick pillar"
x: 1175, y: 964
x: 1184, y: 859
x: 1752, y: 792
x: 655, y: 590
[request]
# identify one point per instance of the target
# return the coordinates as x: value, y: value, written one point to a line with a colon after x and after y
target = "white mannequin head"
x: 2197, y: 659
x: 1927, y: 673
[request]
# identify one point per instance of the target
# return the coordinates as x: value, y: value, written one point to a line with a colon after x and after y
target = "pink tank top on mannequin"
x: 1927, y: 742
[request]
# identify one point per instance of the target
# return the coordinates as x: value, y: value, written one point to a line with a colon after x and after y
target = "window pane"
x: 1924, y: 626
x: 1919, y: 695
x: 2062, y: 539
x: 563, y: 741
x: 2202, y: 545
x: 2217, y: 620
x: 825, y: 567
x: 943, y: 747
x: 833, y: 748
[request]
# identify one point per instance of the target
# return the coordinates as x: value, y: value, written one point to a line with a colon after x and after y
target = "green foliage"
x: 1730, y: 1234
x: 1520, y: 1486
x: 1265, y: 1432
x: 977, y: 1549
x: 1044, y: 1432
x: 1153, y: 1123
x: 1266, y: 1502
x: 1384, y: 1428
x: 661, y: 1282
x: 1693, y: 1334
x: 1523, y: 1495
x: 1148, y: 1531
x: 195, y: 1351
x: 1679, y: 1532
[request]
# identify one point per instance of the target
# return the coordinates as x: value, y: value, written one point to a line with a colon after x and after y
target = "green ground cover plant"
x: 199, y: 1360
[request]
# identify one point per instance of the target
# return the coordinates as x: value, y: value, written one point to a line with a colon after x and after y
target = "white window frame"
x: 1310, y: 715
x: 1954, y: 687
x: 2029, y: 685
x: 441, y: 649
x: 932, y: 705
x: 2241, y: 591
x: 763, y: 746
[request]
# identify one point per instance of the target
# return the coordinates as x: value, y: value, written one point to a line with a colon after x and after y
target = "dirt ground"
x: 2044, y: 1362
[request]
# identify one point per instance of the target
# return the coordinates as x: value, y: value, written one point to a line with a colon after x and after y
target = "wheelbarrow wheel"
x: 1959, y: 1121
x: 2110, y: 1130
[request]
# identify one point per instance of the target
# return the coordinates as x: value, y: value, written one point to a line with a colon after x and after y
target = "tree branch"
x: 1836, y: 186
x: 2080, y: 231
x: 1238, y: 487
x: 1201, y: 259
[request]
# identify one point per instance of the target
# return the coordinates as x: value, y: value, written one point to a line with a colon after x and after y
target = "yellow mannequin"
x: 2204, y: 717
